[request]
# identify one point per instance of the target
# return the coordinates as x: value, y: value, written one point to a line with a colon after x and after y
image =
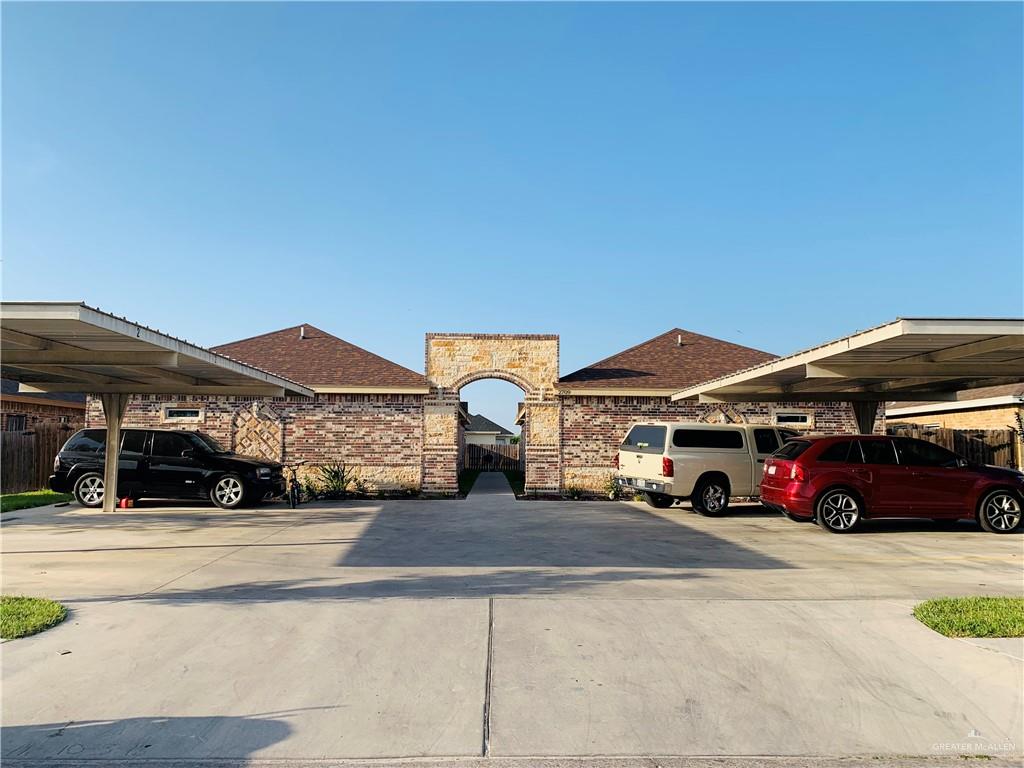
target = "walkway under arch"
x: 454, y: 360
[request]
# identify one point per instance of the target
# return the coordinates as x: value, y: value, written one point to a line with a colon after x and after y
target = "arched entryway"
x: 530, y: 361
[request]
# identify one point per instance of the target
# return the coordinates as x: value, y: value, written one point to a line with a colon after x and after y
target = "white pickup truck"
x: 705, y: 463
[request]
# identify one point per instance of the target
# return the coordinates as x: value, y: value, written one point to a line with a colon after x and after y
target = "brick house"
x: 367, y: 412
x: 398, y: 428
x: 601, y: 400
x: 1000, y: 407
x: 26, y: 410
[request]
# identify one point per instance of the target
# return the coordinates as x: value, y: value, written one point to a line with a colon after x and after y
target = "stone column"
x: 543, y: 431
x: 441, y: 441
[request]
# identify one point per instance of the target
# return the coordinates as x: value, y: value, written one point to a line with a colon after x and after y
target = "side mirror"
x: 963, y: 463
x: 188, y: 453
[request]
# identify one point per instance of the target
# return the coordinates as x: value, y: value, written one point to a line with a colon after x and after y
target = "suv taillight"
x: 797, y: 473
x: 668, y: 469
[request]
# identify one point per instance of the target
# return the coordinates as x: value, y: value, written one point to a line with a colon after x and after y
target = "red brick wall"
x: 36, y: 413
x: 593, y: 427
x: 380, y: 436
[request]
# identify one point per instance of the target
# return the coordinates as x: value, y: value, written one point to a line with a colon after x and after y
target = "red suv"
x: 839, y: 481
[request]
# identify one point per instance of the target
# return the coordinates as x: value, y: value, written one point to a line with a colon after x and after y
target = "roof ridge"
x: 623, y: 351
x: 268, y: 333
x: 670, y: 331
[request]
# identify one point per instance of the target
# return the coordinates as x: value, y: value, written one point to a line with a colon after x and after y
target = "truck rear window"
x: 645, y: 439
x: 707, y: 438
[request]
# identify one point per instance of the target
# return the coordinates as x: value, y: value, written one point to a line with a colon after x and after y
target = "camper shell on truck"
x: 704, y: 463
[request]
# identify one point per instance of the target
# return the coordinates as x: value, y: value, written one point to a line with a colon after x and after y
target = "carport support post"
x: 865, y: 412
x: 114, y: 404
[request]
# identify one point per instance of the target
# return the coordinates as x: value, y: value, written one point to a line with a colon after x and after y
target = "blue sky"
x: 775, y: 175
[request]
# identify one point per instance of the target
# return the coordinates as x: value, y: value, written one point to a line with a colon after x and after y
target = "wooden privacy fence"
x: 984, y: 446
x: 26, y: 458
x: 497, y: 457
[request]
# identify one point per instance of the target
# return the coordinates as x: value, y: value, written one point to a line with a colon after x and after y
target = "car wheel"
x: 711, y: 497
x: 1000, y: 512
x: 228, y: 492
x: 839, y: 511
x: 658, y: 500
x: 89, y: 489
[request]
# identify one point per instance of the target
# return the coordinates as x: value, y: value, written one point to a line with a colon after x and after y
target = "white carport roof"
x: 71, y: 347
x: 907, y: 359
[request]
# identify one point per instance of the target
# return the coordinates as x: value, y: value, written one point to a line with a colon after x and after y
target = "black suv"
x: 164, y: 464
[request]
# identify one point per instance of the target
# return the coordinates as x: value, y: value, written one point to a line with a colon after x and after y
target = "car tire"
x: 228, y: 492
x: 658, y: 500
x: 838, y: 511
x: 88, y: 490
x: 1000, y: 511
x: 711, y: 497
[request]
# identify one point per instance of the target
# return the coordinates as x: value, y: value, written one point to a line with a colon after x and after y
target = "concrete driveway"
x: 494, y: 627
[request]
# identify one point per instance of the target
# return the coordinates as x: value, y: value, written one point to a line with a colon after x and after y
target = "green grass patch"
x: 9, y: 502
x: 517, y: 479
x: 23, y: 616
x: 467, y: 478
x: 973, y: 616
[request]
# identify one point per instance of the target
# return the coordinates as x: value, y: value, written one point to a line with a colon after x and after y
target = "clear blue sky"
x: 775, y: 175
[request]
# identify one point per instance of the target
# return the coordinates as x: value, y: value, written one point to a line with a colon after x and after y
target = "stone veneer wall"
x: 378, y: 436
x: 593, y: 427
x: 453, y: 360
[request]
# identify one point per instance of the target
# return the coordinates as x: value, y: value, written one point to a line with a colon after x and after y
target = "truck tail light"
x: 616, y: 462
x: 797, y: 473
x: 668, y: 469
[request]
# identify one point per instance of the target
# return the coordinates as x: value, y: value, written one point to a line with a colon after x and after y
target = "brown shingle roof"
x: 664, y: 363
x: 319, y: 359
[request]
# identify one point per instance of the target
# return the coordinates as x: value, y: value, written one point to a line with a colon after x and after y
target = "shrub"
x: 611, y: 488
x: 334, y: 479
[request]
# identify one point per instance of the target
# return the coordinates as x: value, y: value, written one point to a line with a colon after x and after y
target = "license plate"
x: 771, y: 469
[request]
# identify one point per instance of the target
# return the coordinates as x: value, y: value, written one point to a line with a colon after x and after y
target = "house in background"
x: 989, y: 408
x: 26, y: 410
x: 483, y: 431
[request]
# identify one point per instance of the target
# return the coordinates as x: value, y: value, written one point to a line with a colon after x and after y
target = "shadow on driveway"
x: 541, y: 534
x: 143, y: 738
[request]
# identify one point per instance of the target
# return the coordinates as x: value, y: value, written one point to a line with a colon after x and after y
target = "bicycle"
x: 294, y: 492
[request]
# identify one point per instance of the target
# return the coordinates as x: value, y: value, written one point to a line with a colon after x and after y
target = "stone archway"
x: 530, y: 361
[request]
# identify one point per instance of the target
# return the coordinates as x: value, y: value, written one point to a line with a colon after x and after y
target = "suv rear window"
x: 844, y: 451
x: 645, y: 439
x: 792, y: 449
x: 707, y: 438
x: 87, y: 441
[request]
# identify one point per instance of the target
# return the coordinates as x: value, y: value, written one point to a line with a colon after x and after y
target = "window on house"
x: 16, y: 422
x: 798, y: 419
x: 183, y: 414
